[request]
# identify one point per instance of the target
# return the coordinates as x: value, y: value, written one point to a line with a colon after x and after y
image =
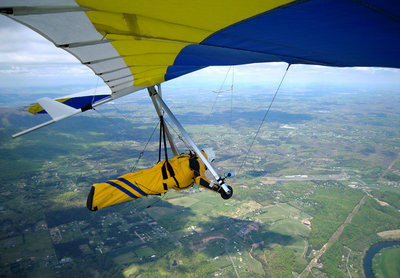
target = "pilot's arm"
x: 199, y: 170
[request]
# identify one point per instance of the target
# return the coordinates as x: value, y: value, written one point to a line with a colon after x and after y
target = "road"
x: 338, y: 177
x: 333, y: 239
x: 230, y: 257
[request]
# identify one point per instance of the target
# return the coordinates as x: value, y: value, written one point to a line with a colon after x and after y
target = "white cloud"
x: 44, y: 72
x: 13, y: 70
x: 20, y: 45
x: 28, y: 58
x: 38, y: 56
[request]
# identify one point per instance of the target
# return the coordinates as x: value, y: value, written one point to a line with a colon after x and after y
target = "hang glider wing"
x: 65, y: 107
x: 137, y: 44
x: 81, y: 100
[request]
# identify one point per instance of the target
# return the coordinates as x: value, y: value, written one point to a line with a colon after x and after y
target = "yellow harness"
x: 174, y: 173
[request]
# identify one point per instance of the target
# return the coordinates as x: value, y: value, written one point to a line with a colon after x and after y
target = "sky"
x: 29, y: 60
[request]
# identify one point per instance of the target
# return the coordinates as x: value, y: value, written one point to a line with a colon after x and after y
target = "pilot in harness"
x: 178, y: 173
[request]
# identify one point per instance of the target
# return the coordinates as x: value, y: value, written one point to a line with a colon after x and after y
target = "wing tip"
x: 89, y: 202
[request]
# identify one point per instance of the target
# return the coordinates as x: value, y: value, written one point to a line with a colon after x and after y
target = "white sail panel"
x: 94, y: 52
x: 107, y: 65
x: 78, y: 30
x: 119, y: 81
x: 122, y: 86
x: 112, y: 75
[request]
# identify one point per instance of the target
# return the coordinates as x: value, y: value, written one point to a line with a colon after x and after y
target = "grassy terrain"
x: 387, y: 263
x: 330, y: 207
x: 358, y: 236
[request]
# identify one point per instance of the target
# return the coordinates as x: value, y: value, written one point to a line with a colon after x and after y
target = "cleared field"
x: 145, y: 252
x: 184, y: 201
x: 125, y: 259
x: 297, y: 231
x: 279, y: 212
x: 273, y: 214
x: 290, y: 227
x: 393, y: 234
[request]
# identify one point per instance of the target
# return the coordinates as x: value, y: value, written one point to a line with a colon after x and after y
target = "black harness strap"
x: 165, y: 141
x: 195, y: 166
x: 159, y: 141
x: 170, y: 170
x: 204, y: 183
x: 176, y: 181
x: 166, y: 166
x: 164, y: 172
x: 162, y: 138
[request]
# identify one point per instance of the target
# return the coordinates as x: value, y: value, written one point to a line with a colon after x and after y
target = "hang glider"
x: 138, y: 44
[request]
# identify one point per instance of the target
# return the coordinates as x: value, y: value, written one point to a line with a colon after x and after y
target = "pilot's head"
x: 209, y: 153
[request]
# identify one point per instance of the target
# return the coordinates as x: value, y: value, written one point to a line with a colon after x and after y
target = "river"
x: 372, y: 251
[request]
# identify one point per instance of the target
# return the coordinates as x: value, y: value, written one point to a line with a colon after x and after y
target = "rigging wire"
x: 158, y: 200
x: 209, y: 114
x: 115, y: 123
x: 263, y: 120
x: 119, y: 111
x: 218, y: 94
x: 148, y: 141
x: 233, y: 82
x: 125, y: 129
x: 226, y: 77
x: 179, y: 136
x: 95, y: 90
x: 104, y: 116
x: 144, y: 149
